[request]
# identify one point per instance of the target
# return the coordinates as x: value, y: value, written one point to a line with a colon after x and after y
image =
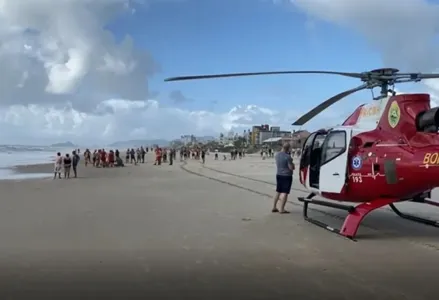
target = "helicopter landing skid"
x: 355, y: 216
x: 416, y: 218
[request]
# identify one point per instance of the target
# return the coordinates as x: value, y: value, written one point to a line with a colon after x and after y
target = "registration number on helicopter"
x: 431, y: 159
x: 356, y: 178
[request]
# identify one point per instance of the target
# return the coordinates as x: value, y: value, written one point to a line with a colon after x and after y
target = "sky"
x: 92, y: 71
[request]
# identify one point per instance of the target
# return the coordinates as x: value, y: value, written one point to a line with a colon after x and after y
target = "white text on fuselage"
x: 371, y: 111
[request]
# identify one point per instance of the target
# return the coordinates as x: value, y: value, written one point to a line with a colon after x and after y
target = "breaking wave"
x: 20, y: 148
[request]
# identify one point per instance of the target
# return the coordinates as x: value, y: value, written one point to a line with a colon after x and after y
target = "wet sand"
x: 148, y: 232
x: 34, y: 169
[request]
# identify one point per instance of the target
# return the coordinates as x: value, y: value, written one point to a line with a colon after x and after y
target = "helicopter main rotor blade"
x: 324, y: 105
x: 180, y: 78
x: 425, y: 76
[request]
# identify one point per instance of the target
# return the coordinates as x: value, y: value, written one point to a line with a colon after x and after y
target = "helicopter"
x: 385, y: 152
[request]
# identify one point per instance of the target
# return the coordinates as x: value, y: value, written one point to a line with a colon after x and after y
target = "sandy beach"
x: 187, y: 230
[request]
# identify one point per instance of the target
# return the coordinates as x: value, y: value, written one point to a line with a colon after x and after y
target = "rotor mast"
x: 382, y: 78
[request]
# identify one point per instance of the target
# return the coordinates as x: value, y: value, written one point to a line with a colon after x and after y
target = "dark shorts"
x: 283, y: 184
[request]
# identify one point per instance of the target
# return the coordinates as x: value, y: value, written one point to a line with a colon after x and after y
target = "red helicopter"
x: 385, y: 152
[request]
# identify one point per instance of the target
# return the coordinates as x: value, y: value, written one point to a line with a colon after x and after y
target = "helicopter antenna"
x: 382, y: 78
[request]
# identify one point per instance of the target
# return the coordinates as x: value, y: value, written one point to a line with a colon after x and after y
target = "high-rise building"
x: 254, y: 140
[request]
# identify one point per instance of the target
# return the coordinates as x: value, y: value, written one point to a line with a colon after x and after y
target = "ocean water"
x: 15, y: 155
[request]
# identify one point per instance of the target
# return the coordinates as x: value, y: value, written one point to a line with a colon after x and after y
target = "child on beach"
x: 58, y: 166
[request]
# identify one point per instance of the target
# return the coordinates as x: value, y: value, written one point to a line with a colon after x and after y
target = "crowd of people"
x: 64, y: 164
x: 101, y: 158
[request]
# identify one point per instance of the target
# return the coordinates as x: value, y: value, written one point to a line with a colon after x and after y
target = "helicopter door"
x: 334, y: 161
x: 310, y: 160
x: 305, y: 160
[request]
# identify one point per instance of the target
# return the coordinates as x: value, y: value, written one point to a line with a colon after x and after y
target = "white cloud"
x: 404, y: 32
x: 133, y: 120
x: 60, y: 66
x: 58, y: 52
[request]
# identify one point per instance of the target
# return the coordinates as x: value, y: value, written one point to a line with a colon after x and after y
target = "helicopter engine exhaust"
x: 428, y: 121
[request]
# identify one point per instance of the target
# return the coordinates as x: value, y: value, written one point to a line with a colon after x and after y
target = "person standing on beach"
x: 284, y: 178
x: 142, y: 154
x: 158, y: 157
x: 75, y: 162
x: 58, y: 166
x: 67, y: 166
x: 171, y: 156
x: 127, y: 156
x: 133, y: 156
x: 203, y: 156
x: 87, y: 157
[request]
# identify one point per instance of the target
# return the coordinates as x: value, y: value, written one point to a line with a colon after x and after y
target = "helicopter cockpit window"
x: 334, y: 145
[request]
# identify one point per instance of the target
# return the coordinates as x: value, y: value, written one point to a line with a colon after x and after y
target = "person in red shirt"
x: 111, y: 158
x: 158, y: 156
x: 103, y: 158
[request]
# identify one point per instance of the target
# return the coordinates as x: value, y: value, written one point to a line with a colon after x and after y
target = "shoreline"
x: 44, y: 171
x: 28, y: 172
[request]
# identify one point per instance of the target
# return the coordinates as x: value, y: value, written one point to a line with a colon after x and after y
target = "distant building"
x: 265, y: 135
x: 254, y: 138
x: 275, y: 141
x: 299, y: 137
x: 188, y: 139
x: 263, y: 132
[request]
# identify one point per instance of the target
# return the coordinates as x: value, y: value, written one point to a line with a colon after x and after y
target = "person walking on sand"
x: 284, y: 178
x: 67, y: 166
x: 58, y: 166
